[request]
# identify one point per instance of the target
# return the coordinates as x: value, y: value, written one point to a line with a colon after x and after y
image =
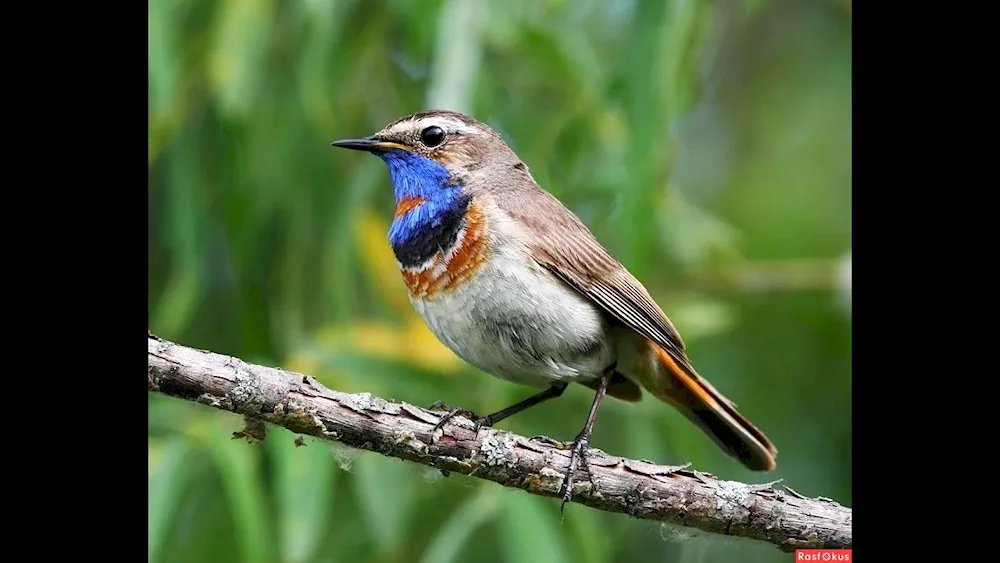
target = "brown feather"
x: 561, y: 243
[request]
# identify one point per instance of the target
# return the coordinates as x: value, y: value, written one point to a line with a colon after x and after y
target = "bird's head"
x: 435, y: 149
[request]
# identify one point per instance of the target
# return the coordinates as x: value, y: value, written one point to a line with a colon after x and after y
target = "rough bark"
x: 676, y: 494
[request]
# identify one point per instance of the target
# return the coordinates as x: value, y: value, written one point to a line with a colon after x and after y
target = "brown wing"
x: 560, y: 242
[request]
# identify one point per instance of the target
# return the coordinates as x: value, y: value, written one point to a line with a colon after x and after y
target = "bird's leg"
x: 452, y: 411
x: 578, y: 452
x: 550, y: 393
x: 491, y: 419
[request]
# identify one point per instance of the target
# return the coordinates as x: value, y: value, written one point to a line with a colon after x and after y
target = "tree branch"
x: 675, y: 495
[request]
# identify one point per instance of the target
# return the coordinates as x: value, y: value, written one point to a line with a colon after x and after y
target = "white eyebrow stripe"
x: 449, y: 125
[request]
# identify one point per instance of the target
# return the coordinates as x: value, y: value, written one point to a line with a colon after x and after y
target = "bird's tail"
x: 680, y: 386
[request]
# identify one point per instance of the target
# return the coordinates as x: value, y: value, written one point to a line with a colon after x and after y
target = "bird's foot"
x: 557, y: 444
x: 439, y: 406
x: 451, y: 413
x: 482, y: 422
x: 577, y: 456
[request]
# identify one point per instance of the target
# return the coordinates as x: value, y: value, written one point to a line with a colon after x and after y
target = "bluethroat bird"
x: 516, y: 285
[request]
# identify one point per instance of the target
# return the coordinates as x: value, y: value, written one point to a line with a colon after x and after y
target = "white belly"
x: 516, y: 321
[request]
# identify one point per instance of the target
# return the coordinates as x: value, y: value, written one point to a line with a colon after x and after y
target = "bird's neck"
x: 430, y: 211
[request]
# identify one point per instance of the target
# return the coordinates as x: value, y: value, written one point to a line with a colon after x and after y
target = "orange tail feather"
x: 707, y: 409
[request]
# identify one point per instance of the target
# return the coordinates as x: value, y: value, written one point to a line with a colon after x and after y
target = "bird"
x: 514, y: 283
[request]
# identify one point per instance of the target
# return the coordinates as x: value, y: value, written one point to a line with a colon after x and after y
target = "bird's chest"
x: 498, y: 310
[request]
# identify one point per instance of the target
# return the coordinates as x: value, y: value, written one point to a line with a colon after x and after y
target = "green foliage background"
x: 707, y: 144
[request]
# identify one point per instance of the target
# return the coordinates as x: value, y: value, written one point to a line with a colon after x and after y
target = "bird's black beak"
x: 368, y: 144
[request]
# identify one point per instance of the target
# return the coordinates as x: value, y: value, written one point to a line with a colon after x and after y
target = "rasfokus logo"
x: 839, y: 555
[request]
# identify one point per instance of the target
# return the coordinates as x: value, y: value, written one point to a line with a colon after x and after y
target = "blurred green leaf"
x: 237, y: 462
x: 694, y: 552
x: 530, y: 530
x: 164, y: 58
x: 460, y: 525
x: 304, y: 478
x: 683, y: 41
x: 457, y: 54
x: 384, y: 490
x: 699, y: 318
x: 587, y: 541
x: 168, y: 474
x: 647, y: 122
x: 185, y: 229
x: 694, y: 237
x: 323, y: 23
x: 239, y: 53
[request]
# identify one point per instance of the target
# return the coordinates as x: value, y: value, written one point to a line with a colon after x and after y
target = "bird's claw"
x: 439, y: 406
x: 577, y: 455
x: 557, y: 444
x: 482, y: 422
x: 452, y: 413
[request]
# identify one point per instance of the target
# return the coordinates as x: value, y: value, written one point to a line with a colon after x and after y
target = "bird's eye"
x: 432, y: 136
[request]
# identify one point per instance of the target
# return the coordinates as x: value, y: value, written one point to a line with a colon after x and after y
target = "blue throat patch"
x: 417, y: 235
